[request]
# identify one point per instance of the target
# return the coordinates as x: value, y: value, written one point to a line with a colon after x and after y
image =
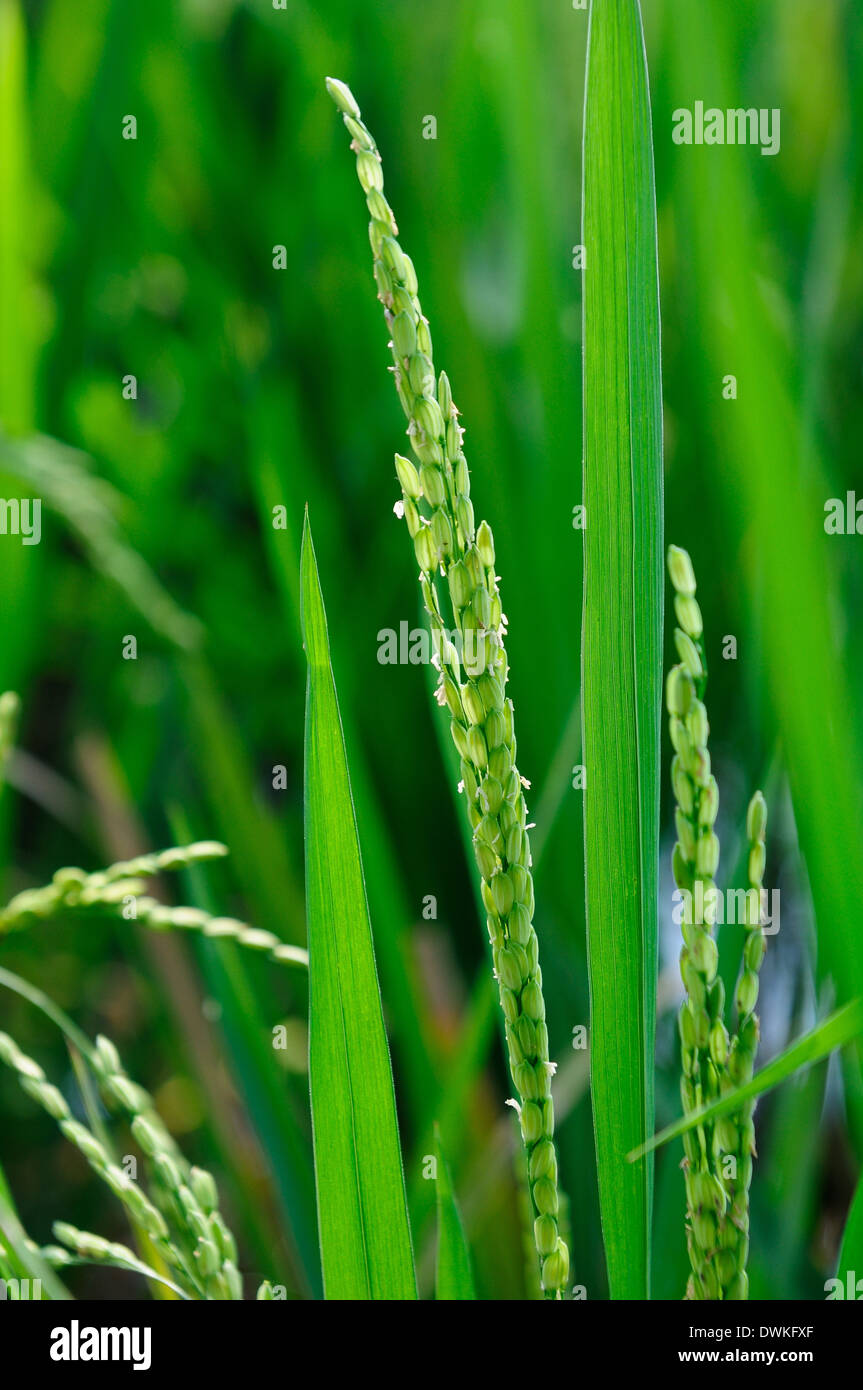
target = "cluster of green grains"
x: 703, y: 1038
x: 112, y: 889
x: 108, y: 890
x: 86, y: 1246
x: 141, y: 1211
x: 93, y: 1249
x: 186, y: 1196
x: 457, y: 563
x: 182, y: 1223
x: 718, y: 1156
x: 741, y: 1060
x: 158, y: 917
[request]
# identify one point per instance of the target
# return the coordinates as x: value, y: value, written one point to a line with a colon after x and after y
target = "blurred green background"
x: 259, y: 387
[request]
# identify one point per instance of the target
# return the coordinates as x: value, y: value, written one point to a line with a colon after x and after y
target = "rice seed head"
x: 447, y: 540
x: 712, y: 1062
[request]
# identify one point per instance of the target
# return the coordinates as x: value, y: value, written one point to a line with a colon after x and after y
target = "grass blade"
x: 272, y: 1100
x: 276, y: 443
x: 362, y: 1210
x: 453, y: 1277
x: 840, y: 1028
x: 851, y: 1251
x: 622, y: 624
x: 18, y: 349
x: 22, y: 573
x: 64, y: 480
x: 263, y: 866
x: 18, y: 1259
x: 23, y: 1260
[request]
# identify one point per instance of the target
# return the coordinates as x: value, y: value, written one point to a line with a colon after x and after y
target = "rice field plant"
x: 473, y: 671
x: 443, y: 988
x: 718, y: 1158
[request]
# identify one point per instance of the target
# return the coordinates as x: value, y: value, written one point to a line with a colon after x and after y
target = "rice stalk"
x: 87, y: 1248
x: 718, y: 1153
x: 119, y: 892
x: 180, y: 1215
x: 139, y: 1208
x: 450, y: 547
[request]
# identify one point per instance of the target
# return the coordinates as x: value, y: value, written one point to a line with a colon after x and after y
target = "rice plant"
x: 472, y: 676
x: 177, y: 1219
x: 718, y: 1157
x: 175, y: 1215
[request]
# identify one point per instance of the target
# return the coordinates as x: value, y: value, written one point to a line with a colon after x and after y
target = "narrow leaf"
x: 453, y: 1277
x: 64, y: 480
x: 362, y: 1212
x: 851, y: 1252
x: 276, y: 1106
x: 18, y: 349
x: 21, y: 1256
x: 836, y: 1031
x: 622, y: 623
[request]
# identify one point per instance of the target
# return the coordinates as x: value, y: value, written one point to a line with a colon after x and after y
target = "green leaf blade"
x: 851, y: 1250
x: 362, y: 1211
x: 453, y: 1274
x: 841, y: 1028
x: 622, y: 622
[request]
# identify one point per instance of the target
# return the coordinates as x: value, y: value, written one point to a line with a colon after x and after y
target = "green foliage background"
x: 259, y: 387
